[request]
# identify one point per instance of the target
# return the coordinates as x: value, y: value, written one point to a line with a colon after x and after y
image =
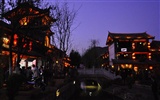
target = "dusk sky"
x: 96, y: 17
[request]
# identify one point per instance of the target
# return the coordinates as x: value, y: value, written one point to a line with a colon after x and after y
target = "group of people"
x: 33, y: 73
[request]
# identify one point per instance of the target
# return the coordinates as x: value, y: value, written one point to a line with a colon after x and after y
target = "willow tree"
x: 63, y: 27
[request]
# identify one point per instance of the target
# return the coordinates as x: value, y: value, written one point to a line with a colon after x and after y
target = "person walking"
x: 36, y: 74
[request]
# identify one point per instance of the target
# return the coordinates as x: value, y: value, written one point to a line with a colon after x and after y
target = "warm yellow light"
x: 112, y: 66
x: 133, y: 57
x: 57, y: 93
x: 135, y: 69
x: 24, y: 21
x: 133, y: 47
x: 118, y: 68
x: 5, y: 40
x: 128, y: 37
x: 57, y: 62
x: 152, y: 49
x: 149, y: 57
x: 47, y: 41
x: 5, y: 53
x: 150, y: 67
x: 122, y: 66
x: 117, y: 37
x: 118, y: 55
x: 66, y: 64
x: 139, y: 37
x: 130, y: 66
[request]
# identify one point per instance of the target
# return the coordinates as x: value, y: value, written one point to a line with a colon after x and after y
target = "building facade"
x: 26, y: 39
x: 132, y: 51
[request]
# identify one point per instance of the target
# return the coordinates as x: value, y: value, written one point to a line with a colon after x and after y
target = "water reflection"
x: 90, y: 87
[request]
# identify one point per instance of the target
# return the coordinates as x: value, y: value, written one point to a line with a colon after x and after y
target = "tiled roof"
x: 127, y: 36
x: 143, y: 35
x: 24, y: 9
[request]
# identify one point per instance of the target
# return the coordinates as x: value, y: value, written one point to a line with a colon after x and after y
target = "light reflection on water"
x: 90, y: 87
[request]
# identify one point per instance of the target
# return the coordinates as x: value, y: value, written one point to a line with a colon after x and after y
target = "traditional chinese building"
x: 132, y: 51
x: 27, y: 36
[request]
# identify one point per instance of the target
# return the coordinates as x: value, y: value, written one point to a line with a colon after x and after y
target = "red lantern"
x: 15, y: 39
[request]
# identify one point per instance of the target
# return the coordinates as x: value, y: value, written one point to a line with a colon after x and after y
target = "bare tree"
x: 94, y: 43
x: 63, y: 27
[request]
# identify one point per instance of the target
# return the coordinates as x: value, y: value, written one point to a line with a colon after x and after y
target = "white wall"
x: 111, y: 53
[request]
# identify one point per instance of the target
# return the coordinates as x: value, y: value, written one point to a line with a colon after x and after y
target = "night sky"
x: 96, y: 17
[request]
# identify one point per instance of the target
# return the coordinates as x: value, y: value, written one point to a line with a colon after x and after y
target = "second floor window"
x: 141, y: 46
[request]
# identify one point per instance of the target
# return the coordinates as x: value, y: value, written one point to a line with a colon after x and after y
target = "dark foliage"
x: 91, y: 57
x: 75, y: 58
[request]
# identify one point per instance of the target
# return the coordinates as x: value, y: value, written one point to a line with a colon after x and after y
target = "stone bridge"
x: 98, y: 72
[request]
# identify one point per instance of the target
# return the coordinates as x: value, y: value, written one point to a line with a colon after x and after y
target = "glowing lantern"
x: 15, y: 39
x: 150, y: 67
x: 135, y: 69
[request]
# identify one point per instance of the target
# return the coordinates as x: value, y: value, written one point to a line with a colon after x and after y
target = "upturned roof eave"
x: 27, y: 5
